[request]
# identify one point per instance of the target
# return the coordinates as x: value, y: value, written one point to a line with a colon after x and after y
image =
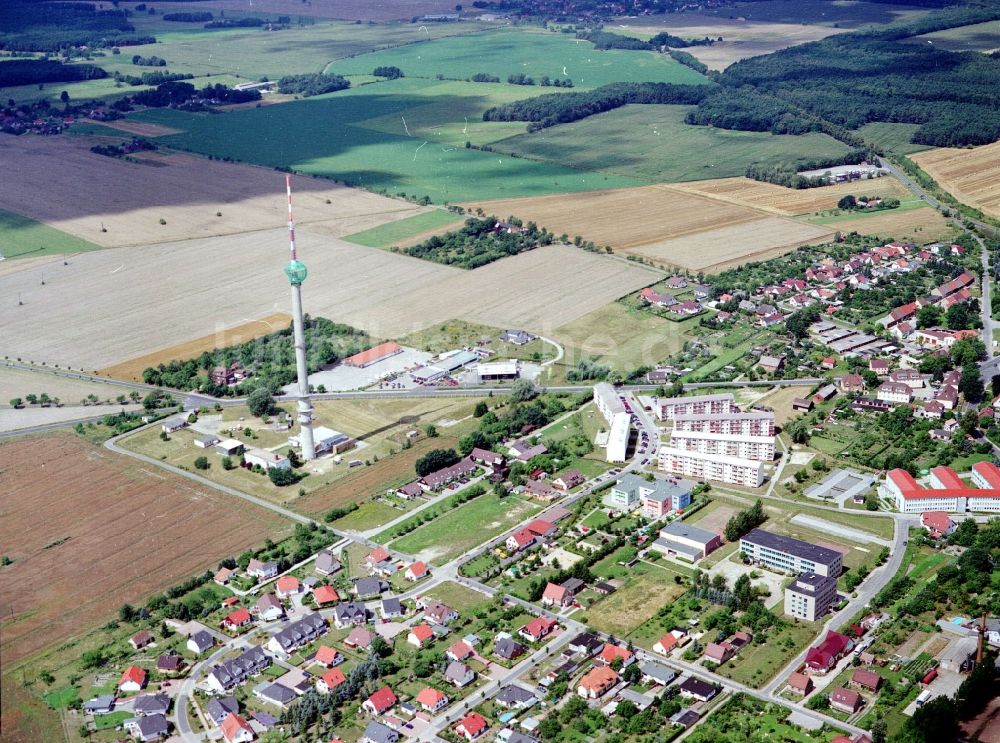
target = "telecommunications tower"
x: 296, y: 273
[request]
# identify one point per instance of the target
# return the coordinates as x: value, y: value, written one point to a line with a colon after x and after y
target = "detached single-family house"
x: 103, y: 705
x: 349, y: 614
x: 269, y: 608
x: 200, y: 641
x: 431, y: 699
x: 376, y: 732
x: 514, y: 697
x: 381, y: 701
x: 507, y: 648
x: 695, y: 688
x: 438, y: 613
x: 846, y: 700
x: 459, y: 674
x: 391, y: 608
x: 654, y: 673
x: 597, y: 682
x: 287, y: 586
x: 327, y: 563
x: 569, y: 480
x: 236, y: 730
x: 359, y: 638
x: 141, y: 639
x: 416, y: 571
x: 472, y: 727
x: 537, y: 629
x: 172, y: 425
x: 132, y: 680
x: 610, y: 653
x: 324, y: 595
x: 420, y: 635
x: 330, y: 681
x: 262, y: 570
x: 219, y: 708
x: 665, y: 644
x: 864, y: 678
x: 459, y: 651
x: 800, y: 684
x: 328, y: 657
x: 151, y: 704
x: 146, y: 729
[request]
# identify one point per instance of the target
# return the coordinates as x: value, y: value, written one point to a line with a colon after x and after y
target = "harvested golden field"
x: 790, y: 201
x: 717, y: 249
x: 920, y: 225
x: 109, y: 306
x: 116, y: 203
x: 972, y: 175
x: 131, y: 370
x: 624, y: 218
x: 740, y: 38
x: 97, y: 531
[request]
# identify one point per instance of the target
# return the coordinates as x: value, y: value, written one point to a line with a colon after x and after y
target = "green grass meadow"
x: 21, y: 237
x: 654, y: 143
x: 323, y: 136
x: 389, y: 234
x: 510, y: 52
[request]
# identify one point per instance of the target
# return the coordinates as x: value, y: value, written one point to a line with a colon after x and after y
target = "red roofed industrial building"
x: 373, y: 355
x: 947, y: 491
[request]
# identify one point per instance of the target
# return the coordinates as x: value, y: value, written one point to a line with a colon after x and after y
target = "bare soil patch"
x: 88, y: 530
x: 790, y: 201
x: 624, y: 218
x: 131, y: 370
x: 116, y: 203
x: 716, y: 249
x: 106, y: 307
x: 971, y: 175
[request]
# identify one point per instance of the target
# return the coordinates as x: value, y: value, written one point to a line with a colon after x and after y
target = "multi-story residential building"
x: 669, y: 408
x: 607, y: 401
x: 752, y: 423
x: 789, y: 555
x: 760, y: 448
x: 810, y: 596
x: 618, y: 438
x: 732, y: 470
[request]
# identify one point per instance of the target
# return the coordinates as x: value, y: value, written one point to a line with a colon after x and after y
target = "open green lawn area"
x: 21, y: 237
x: 653, y: 142
x: 459, y: 530
x: 534, y: 53
x: 389, y: 234
x: 621, y: 337
x: 109, y: 722
x: 369, y: 515
x: 757, y: 664
x: 331, y: 140
x: 62, y: 698
x: 905, y: 205
x: 457, y: 596
x: 895, y: 137
x: 647, y: 588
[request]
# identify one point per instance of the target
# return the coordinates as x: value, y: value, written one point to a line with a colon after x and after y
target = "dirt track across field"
x: 99, y: 531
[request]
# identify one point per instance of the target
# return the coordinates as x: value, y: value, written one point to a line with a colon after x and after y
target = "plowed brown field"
x: 972, y: 176
x: 98, y: 531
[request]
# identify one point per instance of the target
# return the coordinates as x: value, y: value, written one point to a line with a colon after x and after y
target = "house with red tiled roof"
x: 239, y: 618
x: 287, y: 586
x: 431, y: 699
x: 866, y: 679
x: 132, y: 680
x: 459, y: 651
x: 420, y: 635
x: 519, y: 540
x: 597, y: 682
x: 610, y: 653
x: 537, y: 629
x: 330, y: 681
x: 665, y: 644
x: 382, y: 700
x: 554, y: 595
x: 324, y: 595
x: 846, y: 700
x: 416, y: 571
x: 799, y: 683
x: 327, y: 656
x: 937, y: 523
x: 472, y: 726
x: 821, y: 658
x: 236, y: 730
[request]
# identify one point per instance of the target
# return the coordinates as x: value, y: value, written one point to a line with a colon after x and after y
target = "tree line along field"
x: 72, y: 527
x: 521, y: 51
x: 653, y: 142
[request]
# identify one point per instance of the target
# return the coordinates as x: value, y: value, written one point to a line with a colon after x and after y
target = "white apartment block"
x: 621, y: 430
x: 607, y: 401
x: 719, y: 467
x: 810, y: 596
x: 753, y: 423
x: 759, y: 448
x: 669, y: 408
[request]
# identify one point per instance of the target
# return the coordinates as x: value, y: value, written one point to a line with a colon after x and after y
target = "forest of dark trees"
x: 555, y: 108
x: 477, y: 243
x: 198, y: 16
x: 50, y: 27
x: 855, y: 78
x: 34, y: 71
x: 179, y: 93
x: 312, y: 84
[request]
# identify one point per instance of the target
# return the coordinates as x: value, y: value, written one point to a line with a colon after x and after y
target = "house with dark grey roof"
x: 231, y: 673
x: 695, y: 688
x: 376, y: 732
x: 327, y: 563
x: 459, y: 674
x: 507, y: 648
x: 144, y: 729
x: 686, y: 717
x: 103, y: 705
x: 201, y: 641
x: 514, y: 697
x: 276, y: 694
x: 586, y: 643
x: 367, y: 588
x: 219, y: 708
x: 654, y: 673
x: 297, y: 634
x: 151, y: 704
x: 349, y: 614
x: 391, y: 608
x: 789, y: 555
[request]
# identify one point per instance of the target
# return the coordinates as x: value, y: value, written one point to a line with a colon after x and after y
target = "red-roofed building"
x: 472, y: 726
x: 943, y: 478
x: 134, y: 679
x: 287, y: 586
x: 416, y: 571
x: 821, y: 658
x: 330, y: 681
x: 937, y: 523
x: 519, y: 540
x: 610, y: 653
x: 236, y: 730
x: 986, y: 475
x: 373, y: 355
x: 665, y: 644
x: 537, y: 629
x: 799, y: 683
x: 846, y: 700
x: 459, y: 651
x: 382, y: 700
x: 327, y: 656
x: 420, y: 635
x: 554, y: 595
x: 866, y: 679
x: 324, y: 595
x: 540, y: 528
x: 431, y: 699
x: 377, y: 555
x: 239, y: 618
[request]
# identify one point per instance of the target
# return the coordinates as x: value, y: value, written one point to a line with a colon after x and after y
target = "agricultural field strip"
x: 188, y: 194
x: 972, y: 175
x: 348, y: 283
